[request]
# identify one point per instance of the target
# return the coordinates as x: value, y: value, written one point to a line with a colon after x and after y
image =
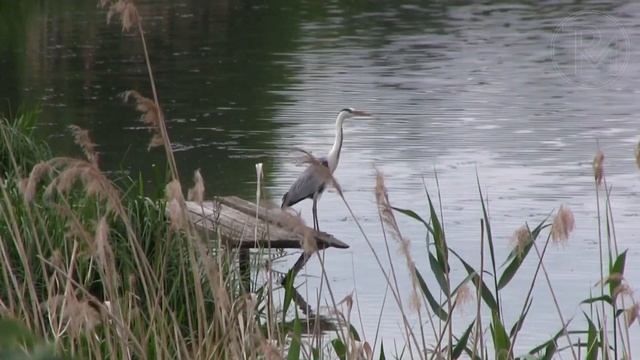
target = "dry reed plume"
x: 150, y: 115
x: 196, y: 193
x: 388, y: 218
x: 176, y: 205
x: 65, y: 173
x: 82, y: 139
x: 125, y: 9
x: 520, y: 239
x: 152, y: 112
x: 631, y: 314
x: 598, y: 169
x: 71, y: 314
x: 563, y: 225
x: 464, y: 296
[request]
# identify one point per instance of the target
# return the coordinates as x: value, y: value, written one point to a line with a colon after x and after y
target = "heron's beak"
x: 360, y: 113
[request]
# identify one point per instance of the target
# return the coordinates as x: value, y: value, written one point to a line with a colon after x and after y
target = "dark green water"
x: 519, y: 92
x: 217, y: 66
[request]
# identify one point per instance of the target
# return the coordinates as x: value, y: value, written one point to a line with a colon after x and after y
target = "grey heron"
x: 313, y: 181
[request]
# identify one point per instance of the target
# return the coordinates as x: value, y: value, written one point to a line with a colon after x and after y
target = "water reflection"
x: 457, y: 87
x: 214, y: 63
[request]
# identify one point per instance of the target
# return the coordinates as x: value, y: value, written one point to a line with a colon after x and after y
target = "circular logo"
x: 590, y: 49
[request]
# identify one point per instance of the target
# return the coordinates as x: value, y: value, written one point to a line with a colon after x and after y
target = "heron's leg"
x: 302, y: 260
x: 305, y: 256
x: 314, y: 209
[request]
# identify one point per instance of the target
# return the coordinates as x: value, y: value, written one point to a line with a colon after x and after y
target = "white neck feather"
x: 334, y: 154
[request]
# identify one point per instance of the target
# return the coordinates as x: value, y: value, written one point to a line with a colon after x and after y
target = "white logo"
x: 590, y: 49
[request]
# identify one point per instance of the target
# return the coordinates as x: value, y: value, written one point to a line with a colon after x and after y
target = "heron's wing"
x: 311, y: 181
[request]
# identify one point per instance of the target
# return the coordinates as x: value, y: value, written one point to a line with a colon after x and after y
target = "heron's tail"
x: 285, y: 200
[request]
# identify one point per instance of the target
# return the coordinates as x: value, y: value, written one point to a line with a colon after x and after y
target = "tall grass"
x: 94, y: 270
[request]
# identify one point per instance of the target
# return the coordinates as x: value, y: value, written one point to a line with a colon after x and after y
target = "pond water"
x: 517, y: 94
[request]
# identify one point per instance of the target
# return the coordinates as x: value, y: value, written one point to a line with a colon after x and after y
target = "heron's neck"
x: 334, y: 154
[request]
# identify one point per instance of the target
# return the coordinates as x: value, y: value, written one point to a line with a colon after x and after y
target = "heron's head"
x: 351, y: 112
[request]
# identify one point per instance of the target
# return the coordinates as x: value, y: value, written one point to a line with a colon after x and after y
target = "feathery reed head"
x: 176, y: 206
x: 631, y: 314
x: 385, y: 212
x: 598, y: 169
x: 144, y: 105
x: 614, y: 277
x: 622, y: 290
x: 173, y: 190
x: 82, y: 139
x: 77, y: 315
x: 464, y: 296
x: 68, y: 171
x: 101, y: 244
x: 384, y: 207
x: 127, y: 11
x: 196, y: 193
x: 520, y: 239
x: 150, y: 115
x: 37, y: 172
x: 563, y: 225
x: 270, y: 349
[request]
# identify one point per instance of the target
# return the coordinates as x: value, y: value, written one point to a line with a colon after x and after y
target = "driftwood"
x: 236, y: 222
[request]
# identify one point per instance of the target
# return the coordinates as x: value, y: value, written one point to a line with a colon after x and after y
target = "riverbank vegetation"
x: 93, y: 267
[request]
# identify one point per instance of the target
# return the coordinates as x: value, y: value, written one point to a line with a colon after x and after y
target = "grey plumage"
x: 312, y: 181
x: 315, y: 178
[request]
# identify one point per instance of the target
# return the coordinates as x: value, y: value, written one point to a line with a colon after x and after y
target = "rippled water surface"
x: 518, y: 94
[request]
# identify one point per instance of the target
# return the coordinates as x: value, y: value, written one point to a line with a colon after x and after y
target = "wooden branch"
x: 235, y: 220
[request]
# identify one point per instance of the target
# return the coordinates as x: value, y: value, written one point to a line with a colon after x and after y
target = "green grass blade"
x: 438, y: 273
x: 439, y: 238
x: 518, y: 325
x: 485, y: 293
x: 500, y: 338
x: 517, y: 257
x: 553, y: 340
x: 382, y: 355
x: 412, y: 214
x: 534, y: 235
x: 550, y: 350
x: 340, y: 348
x: 294, y: 349
x: 513, y: 267
x: 592, y: 341
x: 462, y: 342
x: 617, y: 269
x: 288, y: 294
x: 487, y: 225
x: 591, y: 300
x: 437, y: 309
x: 15, y: 334
x: 354, y: 333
